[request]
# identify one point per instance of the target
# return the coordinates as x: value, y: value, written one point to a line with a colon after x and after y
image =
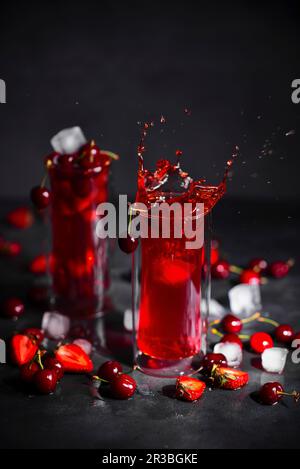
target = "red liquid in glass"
x: 170, y: 324
x: 79, y: 256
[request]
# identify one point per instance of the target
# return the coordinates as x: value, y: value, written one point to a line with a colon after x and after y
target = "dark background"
x: 104, y: 65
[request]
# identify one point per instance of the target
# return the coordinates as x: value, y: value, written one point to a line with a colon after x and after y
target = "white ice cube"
x: 84, y: 344
x: 68, y: 141
x: 128, y: 319
x: 232, y: 352
x: 273, y: 359
x: 215, y: 309
x: 55, y: 325
x: 244, y: 300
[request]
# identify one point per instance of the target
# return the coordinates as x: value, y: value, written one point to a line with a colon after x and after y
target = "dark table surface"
x: 74, y: 417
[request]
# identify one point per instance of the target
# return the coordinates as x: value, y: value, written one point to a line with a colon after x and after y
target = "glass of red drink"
x: 171, y: 282
x: 79, y: 270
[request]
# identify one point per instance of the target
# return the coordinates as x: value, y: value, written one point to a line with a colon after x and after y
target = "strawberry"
x: 22, y: 349
x: 39, y: 264
x: 20, y: 217
x: 74, y: 359
x: 229, y: 378
x: 189, y: 389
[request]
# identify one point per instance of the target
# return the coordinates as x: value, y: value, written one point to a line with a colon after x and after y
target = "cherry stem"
x: 268, y: 321
x: 294, y: 394
x: 216, y: 332
x: 291, y: 262
x: 235, y: 269
x: 111, y: 155
x: 96, y: 378
x: 254, y: 317
x: 39, y: 360
x: 44, y: 180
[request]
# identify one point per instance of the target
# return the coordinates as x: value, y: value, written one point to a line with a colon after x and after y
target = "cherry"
x: 232, y: 338
x: 36, y: 334
x: 272, y: 393
x: 40, y: 197
x: 232, y: 324
x: 45, y: 381
x: 51, y: 363
x: 28, y: 371
x: 122, y: 386
x: 90, y: 156
x: 128, y: 244
x: 260, y: 341
x: 13, y: 308
x: 284, y: 333
x: 9, y: 248
x: 280, y: 269
x: 211, y: 359
x: 66, y: 161
x: 109, y: 370
x: 258, y: 265
x: 220, y: 270
x: 250, y: 277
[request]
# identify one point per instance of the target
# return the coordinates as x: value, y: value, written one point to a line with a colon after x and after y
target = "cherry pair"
x: 122, y: 386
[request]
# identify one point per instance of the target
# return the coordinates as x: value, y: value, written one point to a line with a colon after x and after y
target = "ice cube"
x: 215, y: 308
x: 273, y: 359
x: 84, y: 344
x: 232, y: 352
x: 244, y: 300
x: 68, y: 141
x: 127, y: 321
x: 55, y: 325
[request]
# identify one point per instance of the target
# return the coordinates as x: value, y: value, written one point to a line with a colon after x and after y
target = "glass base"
x: 167, y: 368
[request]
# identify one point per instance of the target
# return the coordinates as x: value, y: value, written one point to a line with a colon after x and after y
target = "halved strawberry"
x: 189, y: 389
x: 229, y: 378
x: 22, y: 349
x: 20, y: 217
x: 74, y: 359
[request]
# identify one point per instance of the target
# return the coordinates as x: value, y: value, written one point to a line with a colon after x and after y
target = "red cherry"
x: 90, y: 156
x: 232, y: 338
x: 260, y: 341
x: 258, y: 265
x: 211, y: 359
x: 250, y: 277
x: 109, y: 370
x: 28, y: 372
x: 9, y: 248
x: 51, y: 363
x: 20, y: 218
x: 232, y: 324
x: 280, y: 269
x: 122, y: 386
x: 66, y: 161
x: 45, y: 381
x: 40, y: 197
x: 34, y: 333
x: 284, y: 333
x: 270, y: 393
x: 128, y: 244
x: 220, y: 270
x: 13, y: 308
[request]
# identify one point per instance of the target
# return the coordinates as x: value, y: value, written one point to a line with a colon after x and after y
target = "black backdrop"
x: 106, y: 65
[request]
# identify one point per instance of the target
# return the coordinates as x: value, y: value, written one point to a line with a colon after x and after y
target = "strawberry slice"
x: 229, y: 378
x: 20, y: 218
x: 189, y: 389
x: 22, y: 349
x: 74, y: 359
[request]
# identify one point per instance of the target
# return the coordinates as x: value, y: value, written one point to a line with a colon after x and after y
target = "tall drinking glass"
x: 79, y: 257
x: 170, y: 293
